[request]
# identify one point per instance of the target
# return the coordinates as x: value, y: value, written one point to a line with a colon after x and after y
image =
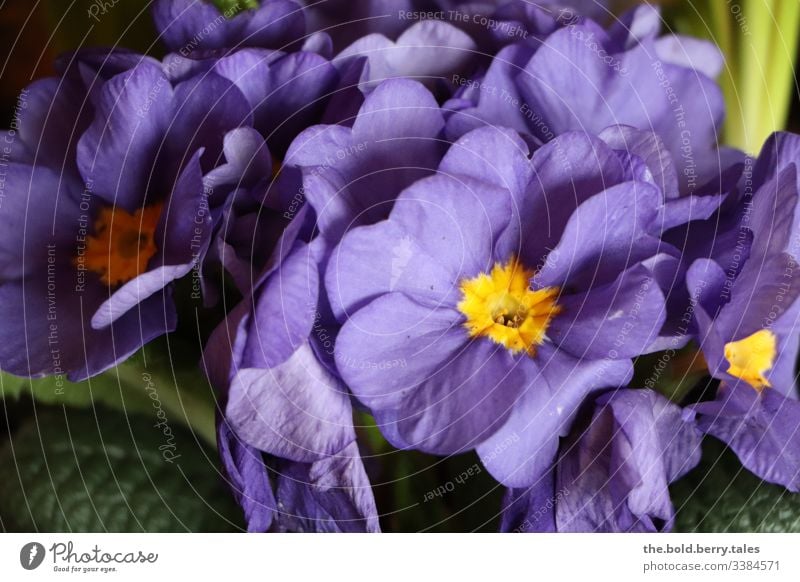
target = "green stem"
x: 721, y: 29
x: 782, y: 82
x: 723, y: 35
x: 752, y: 75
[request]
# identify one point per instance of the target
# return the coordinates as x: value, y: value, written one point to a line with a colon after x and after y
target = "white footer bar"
x: 400, y: 557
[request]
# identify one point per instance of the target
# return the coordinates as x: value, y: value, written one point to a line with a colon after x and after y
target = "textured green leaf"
x: 722, y: 496
x: 81, y: 470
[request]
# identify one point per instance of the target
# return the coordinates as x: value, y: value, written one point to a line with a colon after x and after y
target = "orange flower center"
x: 501, y: 306
x: 123, y: 243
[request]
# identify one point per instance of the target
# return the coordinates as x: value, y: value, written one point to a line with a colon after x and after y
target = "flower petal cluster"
x: 469, y: 222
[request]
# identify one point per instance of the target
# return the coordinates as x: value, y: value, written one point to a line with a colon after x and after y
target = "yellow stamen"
x: 502, y: 307
x: 122, y: 245
x: 750, y: 358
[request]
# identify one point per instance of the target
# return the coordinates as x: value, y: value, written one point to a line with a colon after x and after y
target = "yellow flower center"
x: 750, y: 358
x: 122, y: 245
x: 501, y: 306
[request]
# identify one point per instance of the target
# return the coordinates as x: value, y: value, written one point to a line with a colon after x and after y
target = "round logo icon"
x: 31, y: 555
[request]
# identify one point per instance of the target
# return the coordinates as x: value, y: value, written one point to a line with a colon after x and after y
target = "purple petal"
x: 180, y: 21
x: 295, y: 410
x: 440, y: 231
x: 573, y: 89
x: 772, y: 226
x: 222, y: 355
x: 524, y: 449
x: 210, y: 107
x: 762, y: 428
x: 619, y: 320
x: 354, y: 179
x: 491, y: 154
x: 532, y: 509
x: 298, y: 85
x: 618, y: 471
x: 275, y: 24
x: 606, y: 234
x: 117, y: 153
x: 687, y: 209
x: 287, y: 93
x: 449, y: 393
x: 496, y: 101
x: 52, y: 115
x: 247, y: 159
x: 635, y: 26
x: 651, y: 149
x: 38, y: 206
x: 779, y: 151
x: 428, y: 51
x: 330, y: 495
x: 285, y: 311
x: 567, y: 171
x: 692, y: 53
x: 32, y: 346
x: 247, y: 478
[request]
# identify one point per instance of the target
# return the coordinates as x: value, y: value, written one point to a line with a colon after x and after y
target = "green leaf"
x: 105, y: 389
x: 722, y: 496
x: 167, y: 371
x: 80, y: 470
x: 232, y: 7
x: 161, y: 380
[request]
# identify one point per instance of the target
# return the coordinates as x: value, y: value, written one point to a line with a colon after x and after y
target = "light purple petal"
x: 608, y: 233
x: 285, y: 311
x: 619, y: 320
x: 440, y: 231
x: 449, y: 393
x: 524, y: 449
x: 763, y: 429
x: 618, y: 471
x: 330, y: 495
x: 295, y: 410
